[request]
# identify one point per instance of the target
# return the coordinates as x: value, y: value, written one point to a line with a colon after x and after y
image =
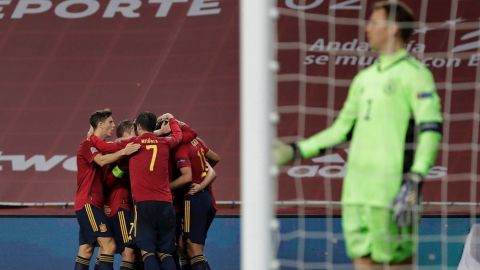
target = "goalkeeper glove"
x: 285, y: 153
x: 406, y: 203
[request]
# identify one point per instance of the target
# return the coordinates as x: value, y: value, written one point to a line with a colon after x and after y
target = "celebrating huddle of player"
x: 147, y: 195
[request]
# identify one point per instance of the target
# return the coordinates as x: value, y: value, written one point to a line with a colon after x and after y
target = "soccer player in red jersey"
x: 119, y: 200
x: 155, y: 216
x: 89, y: 198
x: 199, y: 206
x: 154, y: 229
x: 183, y: 184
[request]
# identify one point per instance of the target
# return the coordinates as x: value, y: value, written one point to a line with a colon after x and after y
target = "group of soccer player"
x: 146, y: 195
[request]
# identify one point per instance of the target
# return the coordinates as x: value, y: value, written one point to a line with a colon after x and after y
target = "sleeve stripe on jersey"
x: 91, y: 217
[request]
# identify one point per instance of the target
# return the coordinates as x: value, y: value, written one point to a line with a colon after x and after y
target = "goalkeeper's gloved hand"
x: 406, y: 203
x: 284, y: 153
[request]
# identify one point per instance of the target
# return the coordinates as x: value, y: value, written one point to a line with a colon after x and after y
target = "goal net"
x: 320, y: 45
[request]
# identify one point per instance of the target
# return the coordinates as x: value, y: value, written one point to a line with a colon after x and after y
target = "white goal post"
x: 257, y: 133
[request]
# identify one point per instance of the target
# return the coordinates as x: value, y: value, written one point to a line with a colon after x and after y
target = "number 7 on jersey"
x: 154, y: 155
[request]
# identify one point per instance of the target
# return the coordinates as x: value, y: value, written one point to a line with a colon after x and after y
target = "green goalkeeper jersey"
x: 381, y: 101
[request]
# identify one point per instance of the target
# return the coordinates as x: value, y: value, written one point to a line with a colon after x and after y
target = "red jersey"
x: 193, y: 155
x: 149, y: 167
x: 118, y: 190
x: 89, y: 177
x: 149, y: 174
x: 187, y: 132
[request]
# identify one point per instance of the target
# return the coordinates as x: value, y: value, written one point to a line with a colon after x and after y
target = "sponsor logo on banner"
x: 39, y: 163
x: 76, y: 9
x: 353, y: 53
x: 349, y: 53
x: 333, y: 166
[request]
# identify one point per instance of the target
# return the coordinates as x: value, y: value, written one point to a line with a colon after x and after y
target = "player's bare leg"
x: 128, y: 255
x: 182, y: 252
x: 195, y: 252
x: 405, y: 265
x: 366, y: 263
x: 85, y: 252
x: 128, y: 258
x: 107, y: 245
x: 194, y: 249
x: 107, y: 251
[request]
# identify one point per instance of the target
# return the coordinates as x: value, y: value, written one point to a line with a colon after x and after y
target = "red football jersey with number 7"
x: 149, y: 166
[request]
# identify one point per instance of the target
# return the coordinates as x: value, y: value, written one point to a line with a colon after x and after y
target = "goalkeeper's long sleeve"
x: 426, y: 110
x: 329, y: 137
x: 426, y: 152
x: 338, y: 132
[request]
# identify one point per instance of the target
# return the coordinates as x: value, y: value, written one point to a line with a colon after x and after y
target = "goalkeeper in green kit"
x: 387, y: 104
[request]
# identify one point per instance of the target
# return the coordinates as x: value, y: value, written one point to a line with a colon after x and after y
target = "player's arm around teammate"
x: 120, y: 202
x: 89, y: 199
x: 198, y: 202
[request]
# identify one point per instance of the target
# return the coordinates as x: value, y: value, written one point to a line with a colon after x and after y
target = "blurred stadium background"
x: 61, y: 60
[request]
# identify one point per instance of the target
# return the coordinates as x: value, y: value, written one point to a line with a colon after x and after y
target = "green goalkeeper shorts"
x: 371, y: 231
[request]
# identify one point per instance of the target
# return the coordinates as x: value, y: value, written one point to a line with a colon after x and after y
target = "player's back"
x: 194, y: 154
x: 149, y: 174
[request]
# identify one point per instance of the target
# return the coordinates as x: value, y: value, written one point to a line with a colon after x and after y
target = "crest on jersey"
x: 103, y: 227
x: 389, y: 88
x: 93, y: 150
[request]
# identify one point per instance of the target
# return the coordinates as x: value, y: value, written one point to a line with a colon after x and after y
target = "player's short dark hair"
x: 401, y: 14
x: 99, y: 116
x: 124, y: 126
x: 147, y: 121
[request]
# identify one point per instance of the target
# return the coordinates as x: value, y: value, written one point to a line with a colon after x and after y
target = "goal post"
x: 320, y: 46
x: 257, y: 132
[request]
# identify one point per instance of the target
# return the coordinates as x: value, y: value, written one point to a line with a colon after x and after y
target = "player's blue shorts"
x: 154, y: 226
x: 121, y: 224
x: 93, y: 223
x: 198, y: 214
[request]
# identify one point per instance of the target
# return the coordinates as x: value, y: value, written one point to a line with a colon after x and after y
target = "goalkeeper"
x: 388, y: 104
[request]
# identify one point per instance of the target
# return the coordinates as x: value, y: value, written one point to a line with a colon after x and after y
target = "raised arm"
x: 176, y: 136
x: 188, y: 133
